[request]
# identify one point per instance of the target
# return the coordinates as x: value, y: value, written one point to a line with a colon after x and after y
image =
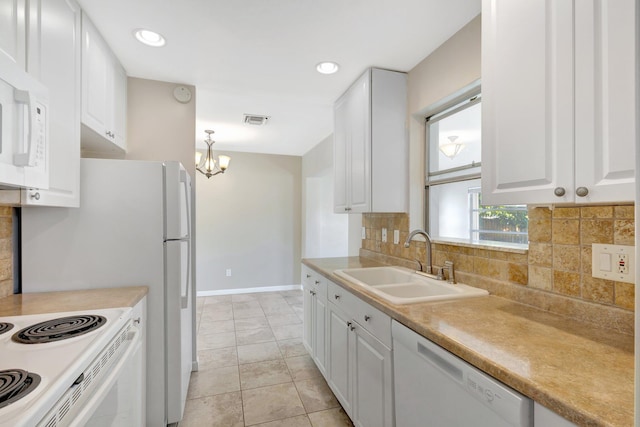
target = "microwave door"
x: 12, y: 130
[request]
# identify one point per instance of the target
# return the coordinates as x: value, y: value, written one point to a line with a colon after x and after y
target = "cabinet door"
x: 340, y: 160
x: 373, y: 383
x: 119, y: 105
x: 605, y: 56
x: 307, y: 327
x: 527, y: 101
x: 13, y: 30
x: 338, y: 366
x: 54, y: 59
x: 95, y: 79
x: 359, y: 146
x: 319, y: 335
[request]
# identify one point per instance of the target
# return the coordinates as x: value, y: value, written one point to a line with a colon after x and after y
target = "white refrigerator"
x: 133, y: 228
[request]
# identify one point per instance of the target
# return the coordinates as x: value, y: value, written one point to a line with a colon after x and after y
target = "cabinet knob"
x: 137, y: 321
x: 336, y: 296
x: 312, y: 292
x: 352, y: 328
x: 35, y: 196
x: 347, y: 209
x: 349, y: 324
x: 317, y: 282
x: 582, y: 191
x: 559, y: 191
x: 308, y: 275
x: 366, y: 317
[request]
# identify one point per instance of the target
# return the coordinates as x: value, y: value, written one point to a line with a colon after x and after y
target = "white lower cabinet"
x: 315, y: 312
x: 543, y: 417
x: 359, y: 365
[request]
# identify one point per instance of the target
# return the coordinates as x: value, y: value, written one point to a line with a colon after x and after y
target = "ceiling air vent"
x: 254, y: 119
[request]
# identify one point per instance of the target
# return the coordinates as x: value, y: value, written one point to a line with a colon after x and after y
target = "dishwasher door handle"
x: 445, y: 366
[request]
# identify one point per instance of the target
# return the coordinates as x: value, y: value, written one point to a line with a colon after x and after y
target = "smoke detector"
x: 254, y: 119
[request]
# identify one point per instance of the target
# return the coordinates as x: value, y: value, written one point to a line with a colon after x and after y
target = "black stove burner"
x: 59, y: 329
x: 15, y: 384
x: 5, y: 327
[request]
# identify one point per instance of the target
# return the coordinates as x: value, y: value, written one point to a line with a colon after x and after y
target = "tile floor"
x: 254, y: 370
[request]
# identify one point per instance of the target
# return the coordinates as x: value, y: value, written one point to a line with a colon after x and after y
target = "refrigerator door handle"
x: 184, y: 293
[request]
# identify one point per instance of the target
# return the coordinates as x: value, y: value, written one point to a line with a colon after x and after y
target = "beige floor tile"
x: 217, y: 326
x: 299, y: 311
x: 217, y: 358
x: 212, y: 341
x: 271, y: 403
x: 254, y: 336
x: 283, y: 320
x: 247, y: 312
x: 251, y: 323
x: 292, y: 348
x: 294, y: 300
x: 215, y: 312
x: 224, y: 410
x: 243, y: 297
x: 287, y: 332
x: 279, y: 308
x: 253, y: 353
x: 214, y: 381
x: 299, y: 421
x: 316, y: 395
x: 246, y: 305
x: 261, y: 374
x: 302, y: 368
x: 335, y: 417
x: 217, y: 299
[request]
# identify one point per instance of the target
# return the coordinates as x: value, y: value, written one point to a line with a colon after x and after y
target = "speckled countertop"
x: 53, y: 302
x: 583, y: 373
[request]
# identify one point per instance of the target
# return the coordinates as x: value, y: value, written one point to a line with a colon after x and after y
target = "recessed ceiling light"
x: 327, y: 67
x: 148, y: 37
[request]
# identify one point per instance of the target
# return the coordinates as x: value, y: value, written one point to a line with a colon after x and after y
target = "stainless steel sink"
x: 403, y: 286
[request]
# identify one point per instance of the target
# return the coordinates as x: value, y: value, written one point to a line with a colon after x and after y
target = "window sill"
x: 517, y: 248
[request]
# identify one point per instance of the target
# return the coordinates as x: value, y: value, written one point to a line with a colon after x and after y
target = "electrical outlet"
x: 228, y: 272
x: 613, y: 262
x: 364, y: 233
x: 384, y: 235
x: 396, y: 237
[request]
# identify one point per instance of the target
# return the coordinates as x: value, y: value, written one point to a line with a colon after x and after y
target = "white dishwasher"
x: 434, y: 388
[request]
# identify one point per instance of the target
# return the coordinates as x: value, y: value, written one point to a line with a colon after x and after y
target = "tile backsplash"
x: 6, y: 251
x: 553, y: 274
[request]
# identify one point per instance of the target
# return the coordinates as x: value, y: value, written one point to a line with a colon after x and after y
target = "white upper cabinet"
x: 558, y: 101
x: 104, y: 96
x: 370, y: 144
x: 13, y: 30
x: 54, y: 59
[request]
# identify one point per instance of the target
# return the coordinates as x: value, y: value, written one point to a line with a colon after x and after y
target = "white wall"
x: 324, y: 233
x: 249, y: 220
x: 436, y: 80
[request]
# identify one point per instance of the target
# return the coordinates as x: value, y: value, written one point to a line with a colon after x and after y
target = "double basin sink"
x: 403, y: 286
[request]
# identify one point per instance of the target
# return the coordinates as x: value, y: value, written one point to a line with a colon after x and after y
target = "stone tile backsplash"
x: 558, y: 261
x: 6, y: 251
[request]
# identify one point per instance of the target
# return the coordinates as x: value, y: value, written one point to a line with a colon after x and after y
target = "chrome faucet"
x: 427, y: 267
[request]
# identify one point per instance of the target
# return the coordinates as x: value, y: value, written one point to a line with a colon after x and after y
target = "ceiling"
x: 259, y: 56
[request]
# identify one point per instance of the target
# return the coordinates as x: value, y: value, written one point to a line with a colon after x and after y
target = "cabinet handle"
x: 35, y: 196
x: 137, y: 321
x: 559, y: 191
x: 336, y: 296
x: 347, y: 209
x: 582, y: 191
x: 366, y: 317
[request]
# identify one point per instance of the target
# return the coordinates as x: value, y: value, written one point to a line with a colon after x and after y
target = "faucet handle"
x: 451, y: 275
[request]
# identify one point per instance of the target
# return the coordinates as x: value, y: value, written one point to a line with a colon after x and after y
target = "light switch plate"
x: 384, y: 235
x: 396, y: 237
x: 364, y: 233
x: 613, y: 262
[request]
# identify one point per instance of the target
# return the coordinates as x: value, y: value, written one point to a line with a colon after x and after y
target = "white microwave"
x: 24, y: 128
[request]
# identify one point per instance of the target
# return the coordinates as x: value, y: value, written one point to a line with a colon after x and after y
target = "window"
x: 454, y: 202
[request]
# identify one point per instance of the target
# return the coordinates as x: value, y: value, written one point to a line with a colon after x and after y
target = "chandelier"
x: 207, y: 164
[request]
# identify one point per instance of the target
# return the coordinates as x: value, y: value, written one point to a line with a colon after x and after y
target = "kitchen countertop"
x: 53, y: 302
x: 581, y: 372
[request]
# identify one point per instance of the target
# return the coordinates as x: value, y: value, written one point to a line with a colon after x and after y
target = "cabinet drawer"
x: 370, y: 318
x: 374, y: 321
x: 342, y: 298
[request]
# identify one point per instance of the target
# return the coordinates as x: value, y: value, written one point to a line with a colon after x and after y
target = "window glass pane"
x: 505, y: 223
x: 454, y: 140
x: 449, y: 209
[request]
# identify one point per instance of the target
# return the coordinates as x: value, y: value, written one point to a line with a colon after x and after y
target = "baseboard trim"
x: 248, y: 290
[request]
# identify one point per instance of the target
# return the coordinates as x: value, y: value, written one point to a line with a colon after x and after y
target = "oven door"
x: 111, y: 390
